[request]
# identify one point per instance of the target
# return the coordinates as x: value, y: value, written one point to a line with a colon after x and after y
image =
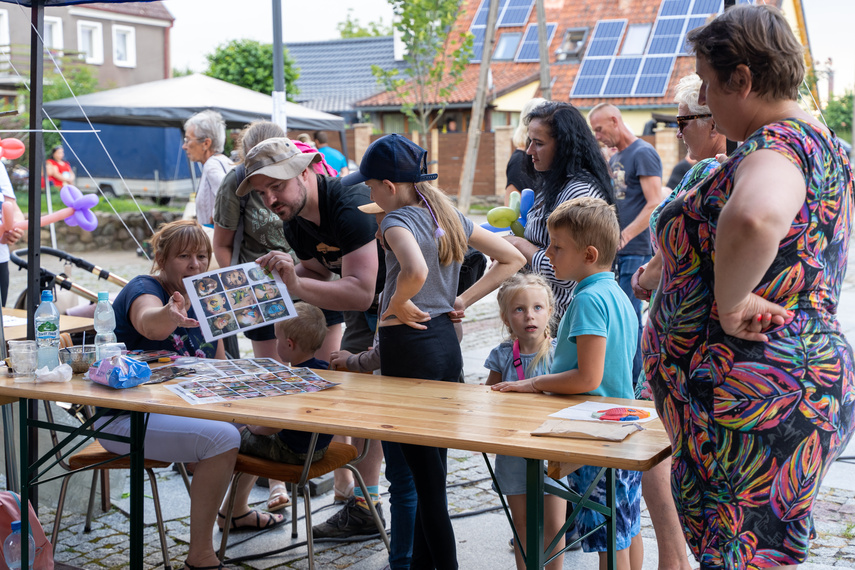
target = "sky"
x: 198, y: 32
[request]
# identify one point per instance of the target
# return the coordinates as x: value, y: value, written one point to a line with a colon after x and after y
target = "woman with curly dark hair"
x: 567, y: 163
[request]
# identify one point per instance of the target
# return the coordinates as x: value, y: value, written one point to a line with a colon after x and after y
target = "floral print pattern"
x: 754, y: 426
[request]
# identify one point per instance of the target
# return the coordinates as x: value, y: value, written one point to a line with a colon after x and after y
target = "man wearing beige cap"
x: 330, y: 236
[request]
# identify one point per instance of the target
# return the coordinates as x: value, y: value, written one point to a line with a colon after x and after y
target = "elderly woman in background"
x: 153, y: 313
x: 566, y: 163
x: 751, y: 374
x: 518, y: 174
x: 696, y: 127
x: 204, y: 140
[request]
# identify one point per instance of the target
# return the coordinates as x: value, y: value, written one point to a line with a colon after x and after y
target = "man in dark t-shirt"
x: 331, y: 237
x: 637, y: 178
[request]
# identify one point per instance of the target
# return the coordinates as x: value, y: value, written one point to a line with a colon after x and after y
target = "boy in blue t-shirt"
x: 596, y: 343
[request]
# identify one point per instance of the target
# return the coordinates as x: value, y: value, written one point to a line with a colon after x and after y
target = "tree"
x: 838, y: 115
x: 352, y: 28
x: 435, y: 63
x: 249, y: 63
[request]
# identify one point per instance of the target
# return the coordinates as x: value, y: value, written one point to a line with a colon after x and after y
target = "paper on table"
x: 12, y: 321
x: 585, y: 410
x: 234, y: 299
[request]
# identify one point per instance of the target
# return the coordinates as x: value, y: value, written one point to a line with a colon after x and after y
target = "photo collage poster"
x: 239, y: 298
x: 216, y: 381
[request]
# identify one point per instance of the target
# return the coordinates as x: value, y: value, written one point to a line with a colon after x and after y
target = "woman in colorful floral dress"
x: 751, y: 374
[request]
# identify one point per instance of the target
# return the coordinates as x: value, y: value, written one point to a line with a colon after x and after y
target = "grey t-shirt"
x: 638, y: 159
x: 437, y: 295
x: 262, y: 229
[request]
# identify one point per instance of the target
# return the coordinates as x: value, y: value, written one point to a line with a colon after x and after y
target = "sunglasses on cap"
x: 683, y: 120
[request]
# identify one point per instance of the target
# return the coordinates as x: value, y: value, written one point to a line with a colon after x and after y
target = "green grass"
x: 849, y: 533
x: 122, y: 205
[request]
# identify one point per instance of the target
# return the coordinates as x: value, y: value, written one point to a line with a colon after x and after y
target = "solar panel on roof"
x: 654, y: 76
x: 706, y: 7
x: 622, y: 77
x: 516, y: 13
x: 529, y: 49
x: 592, y: 74
x: 477, y: 44
x: 675, y: 8
x: 666, y: 36
x: 695, y: 22
x: 606, y: 38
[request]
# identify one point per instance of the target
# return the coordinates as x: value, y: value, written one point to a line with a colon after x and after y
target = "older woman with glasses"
x: 697, y: 129
x: 204, y: 141
x: 750, y: 371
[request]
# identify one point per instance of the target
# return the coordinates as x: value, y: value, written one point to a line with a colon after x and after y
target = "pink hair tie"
x: 439, y: 231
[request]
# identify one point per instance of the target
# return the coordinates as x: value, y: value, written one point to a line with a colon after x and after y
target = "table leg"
x: 535, y: 558
x: 12, y: 480
x: 23, y: 428
x: 611, y: 523
x: 137, y: 550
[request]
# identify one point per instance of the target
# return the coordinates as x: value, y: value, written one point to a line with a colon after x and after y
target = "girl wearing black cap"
x: 426, y: 239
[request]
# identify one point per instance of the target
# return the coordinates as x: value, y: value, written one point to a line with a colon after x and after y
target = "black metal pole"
x: 37, y: 161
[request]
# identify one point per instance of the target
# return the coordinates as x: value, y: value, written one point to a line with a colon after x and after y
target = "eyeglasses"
x: 187, y: 140
x: 683, y: 120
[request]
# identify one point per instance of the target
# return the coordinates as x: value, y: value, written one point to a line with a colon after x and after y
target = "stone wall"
x: 110, y: 233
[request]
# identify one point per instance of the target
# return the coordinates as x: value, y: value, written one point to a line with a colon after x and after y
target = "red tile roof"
x: 567, y: 14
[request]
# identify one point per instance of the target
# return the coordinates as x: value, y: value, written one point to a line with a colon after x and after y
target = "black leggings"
x: 432, y: 354
x: 4, y: 282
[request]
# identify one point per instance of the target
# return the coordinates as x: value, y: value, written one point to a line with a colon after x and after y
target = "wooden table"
x: 423, y: 412
x: 67, y: 324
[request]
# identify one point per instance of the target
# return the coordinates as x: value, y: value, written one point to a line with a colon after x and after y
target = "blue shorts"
x: 627, y: 513
x: 510, y: 474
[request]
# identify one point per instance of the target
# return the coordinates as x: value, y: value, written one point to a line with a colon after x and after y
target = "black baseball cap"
x: 393, y: 157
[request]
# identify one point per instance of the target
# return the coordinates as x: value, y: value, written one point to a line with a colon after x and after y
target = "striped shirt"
x: 536, y: 233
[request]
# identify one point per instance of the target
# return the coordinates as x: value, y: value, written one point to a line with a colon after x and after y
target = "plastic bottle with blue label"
x: 12, y: 547
x: 47, y: 332
x: 105, y: 324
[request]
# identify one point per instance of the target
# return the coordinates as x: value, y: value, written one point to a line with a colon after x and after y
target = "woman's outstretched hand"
x: 751, y: 316
x: 177, y: 310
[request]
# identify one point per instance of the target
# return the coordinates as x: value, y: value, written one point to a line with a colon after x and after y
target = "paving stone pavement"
x: 482, y: 536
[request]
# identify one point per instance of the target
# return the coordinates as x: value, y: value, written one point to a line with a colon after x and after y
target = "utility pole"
x: 279, y: 116
x: 473, y: 138
x: 543, y: 49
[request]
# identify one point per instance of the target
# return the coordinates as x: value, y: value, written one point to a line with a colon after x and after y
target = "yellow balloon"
x: 514, y: 202
x: 502, y: 217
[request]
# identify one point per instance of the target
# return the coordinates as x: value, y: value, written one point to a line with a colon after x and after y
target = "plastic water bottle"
x: 105, y: 323
x: 12, y: 547
x: 47, y: 332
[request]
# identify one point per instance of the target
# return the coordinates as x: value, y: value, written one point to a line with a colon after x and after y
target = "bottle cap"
x: 16, y: 525
x: 47, y: 295
x: 103, y: 296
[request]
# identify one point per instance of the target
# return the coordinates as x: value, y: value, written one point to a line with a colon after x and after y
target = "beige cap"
x: 371, y: 208
x: 277, y: 158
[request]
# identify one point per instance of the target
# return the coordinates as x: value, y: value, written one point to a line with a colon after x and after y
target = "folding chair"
x: 338, y: 455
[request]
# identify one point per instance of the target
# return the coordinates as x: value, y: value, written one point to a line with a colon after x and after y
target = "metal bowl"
x: 80, y: 358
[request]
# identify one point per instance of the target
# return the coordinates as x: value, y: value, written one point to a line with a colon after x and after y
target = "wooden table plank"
x: 424, y: 412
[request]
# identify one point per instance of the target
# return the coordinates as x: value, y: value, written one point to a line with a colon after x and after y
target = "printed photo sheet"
x: 224, y: 380
x: 234, y: 299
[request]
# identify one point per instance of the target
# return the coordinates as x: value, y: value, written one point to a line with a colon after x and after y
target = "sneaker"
x: 352, y: 520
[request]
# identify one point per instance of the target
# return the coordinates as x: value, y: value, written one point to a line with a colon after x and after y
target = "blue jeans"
x: 627, y: 266
x: 402, y: 506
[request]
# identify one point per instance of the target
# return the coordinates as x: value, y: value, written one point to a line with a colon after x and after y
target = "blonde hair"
x: 508, y: 291
x: 307, y: 329
x: 451, y: 246
x: 520, y: 137
x: 589, y: 222
x: 176, y: 237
